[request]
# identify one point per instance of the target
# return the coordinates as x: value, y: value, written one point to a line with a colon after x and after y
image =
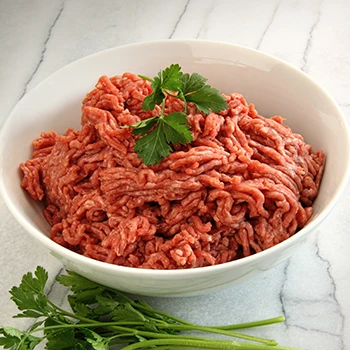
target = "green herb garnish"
x: 161, y: 131
x: 102, y: 317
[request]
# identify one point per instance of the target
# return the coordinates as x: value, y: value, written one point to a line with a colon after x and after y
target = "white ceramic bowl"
x: 275, y: 87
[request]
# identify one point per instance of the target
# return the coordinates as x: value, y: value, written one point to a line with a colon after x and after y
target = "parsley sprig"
x: 161, y: 131
x: 102, y: 317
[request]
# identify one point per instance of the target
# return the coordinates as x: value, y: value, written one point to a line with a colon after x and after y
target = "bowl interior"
x: 275, y: 88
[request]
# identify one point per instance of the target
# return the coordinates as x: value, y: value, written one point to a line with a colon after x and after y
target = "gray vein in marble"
x: 62, y: 294
x: 44, y: 49
x: 179, y: 20
x: 269, y: 24
x: 281, y: 295
x: 318, y: 331
x: 54, y: 282
x: 310, y: 37
x: 297, y: 300
x: 333, y: 295
x: 205, y: 20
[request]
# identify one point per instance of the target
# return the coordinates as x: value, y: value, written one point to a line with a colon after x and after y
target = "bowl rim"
x: 71, y: 256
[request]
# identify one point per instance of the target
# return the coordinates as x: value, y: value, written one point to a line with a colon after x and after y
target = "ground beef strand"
x: 245, y: 183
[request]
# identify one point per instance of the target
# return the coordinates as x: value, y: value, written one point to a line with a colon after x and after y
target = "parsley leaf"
x: 171, y: 78
x: 105, y: 305
x: 12, y: 338
x: 61, y: 339
x: 192, y: 83
x: 176, y: 128
x: 29, y: 314
x: 81, y: 308
x: 144, y: 126
x: 155, y: 97
x: 29, y: 297
x: 206, y: 99
x: 76, y: 282
x: 95, y: 340
x: 153, y: 147
x: 157, y: 133
x: 167, y: 79
x: 126, y: 312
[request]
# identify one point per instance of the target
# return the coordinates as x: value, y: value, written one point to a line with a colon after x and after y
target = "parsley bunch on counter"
x: 102, y: 317
x: 161, y: 131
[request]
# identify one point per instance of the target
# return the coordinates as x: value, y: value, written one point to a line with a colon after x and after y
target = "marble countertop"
x: 311, y: 289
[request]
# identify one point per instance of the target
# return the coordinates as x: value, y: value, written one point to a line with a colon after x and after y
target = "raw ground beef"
x: 245, y: 184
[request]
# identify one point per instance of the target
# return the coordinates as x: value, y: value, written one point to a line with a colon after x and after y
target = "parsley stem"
x: 120, y: 326
x: 170, y: 94
x: 163, y: 108
x: 164, y: 314
x: 203, y: 344
x: 183, y: 98
x: 140, y: 307
x: 168, y: 339
x: 222, y: 332
x: 145, y: 78
x: 260, y: 323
